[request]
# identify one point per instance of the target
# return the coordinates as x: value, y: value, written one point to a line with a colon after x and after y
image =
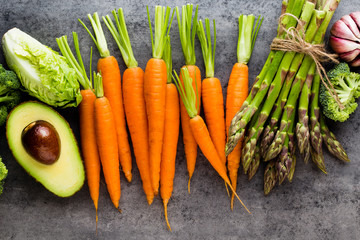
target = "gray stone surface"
x: 314, y: 206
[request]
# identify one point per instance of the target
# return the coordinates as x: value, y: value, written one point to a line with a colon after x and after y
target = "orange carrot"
x: 213, y: 102
x: 134, y: 101
x: 155, y: 79
x: 211, y: 91
x: 88, y: 143
x: 106, y: 140
x: 237, y: 90
x: 200, y: 131
x: 190, y: 144
x: 87, y: 120
x: 187, y: 37
x: 171, y: 134
x: 108, y: 67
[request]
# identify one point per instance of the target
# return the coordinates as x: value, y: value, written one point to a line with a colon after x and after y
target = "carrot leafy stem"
x: 121, y: 36
x: 168, y: 58
x: 78, y: 64
x: 247, y: 36
x: 207, y: 49
x: 162, y: 28
x: 99, y: 38
x: 98, y: 85
x: 186, y: 91
x: 187, y: 35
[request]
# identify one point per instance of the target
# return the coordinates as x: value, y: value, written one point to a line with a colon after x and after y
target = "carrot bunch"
x: 237, y: 90
x: 187, y: 37
x: 155, y: 79
x: 134, y: 100
x: 87, y: 117
x: 199, y: 128
x: 171, y: 133
x: 108, y: 66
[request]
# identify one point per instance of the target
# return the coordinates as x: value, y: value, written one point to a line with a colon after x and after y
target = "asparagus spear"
x: 302, y: 127
x: 270, y: 177
x: 318, y: 159
x: 332, y: 144
x: 284, y: 162
x: 286, y: 7
x: 292, y: 154
x: 248, y: 154
x: 255, y: 162
x: 315, y: 132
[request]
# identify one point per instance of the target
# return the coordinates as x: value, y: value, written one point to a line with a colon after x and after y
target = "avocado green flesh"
x: 66, y: 176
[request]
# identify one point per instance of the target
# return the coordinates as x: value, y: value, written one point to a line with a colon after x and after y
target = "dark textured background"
x: 314, y: 206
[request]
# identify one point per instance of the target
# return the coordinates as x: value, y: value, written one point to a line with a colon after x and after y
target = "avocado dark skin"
x: 41, y: 140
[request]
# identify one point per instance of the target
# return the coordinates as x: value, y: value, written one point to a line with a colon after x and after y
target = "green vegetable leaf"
x: 43, y: 72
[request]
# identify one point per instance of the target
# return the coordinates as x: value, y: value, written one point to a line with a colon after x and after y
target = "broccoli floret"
x: 11, y: 99
x: 347, y: 87
x: 2, y: 69
x: 3, y: 114
x: 3, y: 174
x: 10, y: 95
x: 8, y: 82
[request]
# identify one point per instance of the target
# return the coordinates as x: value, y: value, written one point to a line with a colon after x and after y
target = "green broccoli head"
x: 3, y: 174
x: 11, y: 99
x: 3, y: 114
x: 8, y: 82
x: 347, y: 87
x: 2, y: 69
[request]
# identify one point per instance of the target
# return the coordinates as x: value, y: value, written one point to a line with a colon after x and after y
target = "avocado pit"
x: 41, y: 140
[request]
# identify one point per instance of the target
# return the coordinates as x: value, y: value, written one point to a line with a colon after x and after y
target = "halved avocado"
x: 66, y: 175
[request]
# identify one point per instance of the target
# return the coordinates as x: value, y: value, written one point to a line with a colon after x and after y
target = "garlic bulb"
x: 345, y: 38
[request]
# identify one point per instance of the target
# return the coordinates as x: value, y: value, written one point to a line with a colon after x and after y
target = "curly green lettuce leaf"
x: 43, y: 72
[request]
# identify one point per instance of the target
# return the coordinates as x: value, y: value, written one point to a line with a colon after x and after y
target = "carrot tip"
x: 227, y: 189
x: 156, y: 192
x: 96, y: 224
x: 189, y: 185
x: 232, y: 202
x: 120, y: 211
x: 128, y: 176
x: 232, y: 189
x: 166, y: 217
x: 150, y: 200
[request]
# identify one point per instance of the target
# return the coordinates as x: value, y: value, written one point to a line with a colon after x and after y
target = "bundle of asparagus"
x: 285, y: 91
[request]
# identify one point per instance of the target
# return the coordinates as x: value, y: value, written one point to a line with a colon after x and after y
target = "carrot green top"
x: 162, y: 29
x: 247, y: 36
x: 78, y: 65
x: 121, y: 36
x: 186, y: 91
x: 206, y: 48
x: 98, y: 85
x: 187, y: 36
x: 99, y: 38
x: 168, y: 58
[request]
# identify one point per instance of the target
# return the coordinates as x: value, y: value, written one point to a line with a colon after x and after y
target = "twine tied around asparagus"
x: 294, y: 41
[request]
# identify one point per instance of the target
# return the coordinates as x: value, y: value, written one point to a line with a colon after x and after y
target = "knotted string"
x: 294, y: 41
